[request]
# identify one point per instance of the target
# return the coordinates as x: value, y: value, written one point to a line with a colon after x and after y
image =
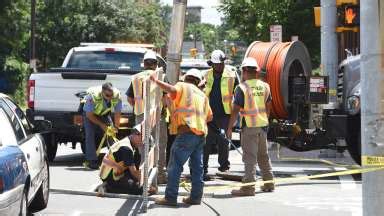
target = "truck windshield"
x: 106, y: 60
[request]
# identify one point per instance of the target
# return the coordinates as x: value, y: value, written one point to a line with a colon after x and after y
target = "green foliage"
x: 252, y: 18
x: 203, y: 32
x: 65, y: 23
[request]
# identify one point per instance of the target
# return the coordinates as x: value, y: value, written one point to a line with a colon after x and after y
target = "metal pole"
x: 32, y: 60
x: 329, y: 44
x: 372, y: 100
x: 176, y: 40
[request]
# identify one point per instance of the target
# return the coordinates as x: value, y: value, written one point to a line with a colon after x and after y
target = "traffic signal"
x: 348, y: 14
x: 193, y: 52
x: 233, y: 50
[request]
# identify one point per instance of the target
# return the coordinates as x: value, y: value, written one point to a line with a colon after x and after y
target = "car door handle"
x: 37, y: 149
x: 28, y: 156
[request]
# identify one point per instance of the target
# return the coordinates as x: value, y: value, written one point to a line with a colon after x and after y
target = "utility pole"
x: 372, y: 101
x: 176, y: 40
x: 32, y: 58
x: 329, y: 58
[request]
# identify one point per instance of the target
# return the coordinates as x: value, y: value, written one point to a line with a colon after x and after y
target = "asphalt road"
x: 329, y: 196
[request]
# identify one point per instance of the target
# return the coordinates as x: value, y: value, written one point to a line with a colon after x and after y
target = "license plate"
x: 78, y: 120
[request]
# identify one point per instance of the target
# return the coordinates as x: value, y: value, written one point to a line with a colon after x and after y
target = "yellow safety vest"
x: 227, y: 85
x: 190, y: 109
x: 137, y: 85
x: 98, y: 100
x: 256, y: 93
x: 109, y: 163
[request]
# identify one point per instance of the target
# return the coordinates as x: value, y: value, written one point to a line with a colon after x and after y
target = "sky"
x: 209, y: 13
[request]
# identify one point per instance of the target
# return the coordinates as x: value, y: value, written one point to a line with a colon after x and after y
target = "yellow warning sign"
x: 372, y: 160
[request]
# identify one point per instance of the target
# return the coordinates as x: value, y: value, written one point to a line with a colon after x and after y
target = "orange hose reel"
x: 277, y: 60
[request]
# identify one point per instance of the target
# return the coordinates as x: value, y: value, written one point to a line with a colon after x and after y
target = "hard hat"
x: 150, y: 55
x: 195, y: 73
x: 250, y: 62
x: 217, y: 57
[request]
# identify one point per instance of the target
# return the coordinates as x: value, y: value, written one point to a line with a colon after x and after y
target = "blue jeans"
x: 92, y: 133
x: 186, y: 146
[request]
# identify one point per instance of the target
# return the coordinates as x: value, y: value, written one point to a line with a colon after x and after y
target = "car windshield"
x: 106, y: 60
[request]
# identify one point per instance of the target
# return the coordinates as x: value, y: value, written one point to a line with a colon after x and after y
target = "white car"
x: 24, y: 172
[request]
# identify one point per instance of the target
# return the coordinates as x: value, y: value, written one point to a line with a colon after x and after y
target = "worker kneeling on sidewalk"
x: 119, y: 170
x: 190, y: 112
x: 253, y: 101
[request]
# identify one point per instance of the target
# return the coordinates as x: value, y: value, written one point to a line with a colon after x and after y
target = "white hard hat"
x: 150, y: 55
x: 195, y: 73
x: 250, y: 62
x: 217, y: 57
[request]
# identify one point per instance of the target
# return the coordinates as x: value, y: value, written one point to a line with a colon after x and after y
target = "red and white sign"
x: 276, y: 33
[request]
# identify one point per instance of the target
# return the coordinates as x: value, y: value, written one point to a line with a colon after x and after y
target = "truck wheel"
x: 51, y: 151
x: 354, y: 139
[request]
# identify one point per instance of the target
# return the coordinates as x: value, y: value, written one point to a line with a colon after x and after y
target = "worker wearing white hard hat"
x: 150, y: 55
x: 220, y: 84
x: 253, y: 101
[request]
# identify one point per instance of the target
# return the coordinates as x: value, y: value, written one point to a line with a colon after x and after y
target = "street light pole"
x: 372, y: 101
x: 32, y: 58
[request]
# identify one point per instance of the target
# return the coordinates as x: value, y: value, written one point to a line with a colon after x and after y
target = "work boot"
x: 91, y: 165
x: 152, y: 190
x: 189, y: 201
x: 162, y: 178
x: 164, y: 201
x: 207, y: 177
x: 244, y: 191
x: 268, y: 187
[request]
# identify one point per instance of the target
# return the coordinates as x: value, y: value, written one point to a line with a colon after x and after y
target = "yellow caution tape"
x: 110, y: 132
x: 287, y: 180
x: 372, y: 160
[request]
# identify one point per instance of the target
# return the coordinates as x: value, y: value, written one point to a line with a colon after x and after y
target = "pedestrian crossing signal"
x: 348, y: 15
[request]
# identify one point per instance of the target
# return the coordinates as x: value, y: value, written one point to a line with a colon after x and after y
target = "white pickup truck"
x: 52, y: 93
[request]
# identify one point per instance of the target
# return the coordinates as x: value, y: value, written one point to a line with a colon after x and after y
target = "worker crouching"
x: 253, y: 100
x: 119, y: 171
x: 190, y: 112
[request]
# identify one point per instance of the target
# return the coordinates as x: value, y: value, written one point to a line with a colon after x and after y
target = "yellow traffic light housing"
x: 233, y: 50
x: 317, y: 12
x: 193, y: 52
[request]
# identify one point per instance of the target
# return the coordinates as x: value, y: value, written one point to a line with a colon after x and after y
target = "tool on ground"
x: 221, y: 133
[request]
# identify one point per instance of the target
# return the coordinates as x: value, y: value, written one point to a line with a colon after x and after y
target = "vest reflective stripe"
x: 137, y: 85
x: 254, y: 111
x: 98, y: 100
x: 227, y: 85
x: 109, y: 163
x: 190, y: 110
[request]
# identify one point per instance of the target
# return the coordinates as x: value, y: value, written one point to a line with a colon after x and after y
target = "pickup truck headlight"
x: 353, y: 104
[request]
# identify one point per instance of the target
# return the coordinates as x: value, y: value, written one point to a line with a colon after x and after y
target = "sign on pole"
x: 276, y: 33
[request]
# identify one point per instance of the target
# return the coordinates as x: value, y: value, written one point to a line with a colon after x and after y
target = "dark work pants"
x: 213, y: 139
x: 125, y: 185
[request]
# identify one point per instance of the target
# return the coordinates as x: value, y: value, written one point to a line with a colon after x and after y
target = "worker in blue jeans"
x: 190, y: 112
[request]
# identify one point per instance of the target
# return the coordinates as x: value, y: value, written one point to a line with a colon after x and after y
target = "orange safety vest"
x: 256, y: 93
x: 227, y: 84
x: 191, y: 109
x: 137, y: 85
x: 109, y: 163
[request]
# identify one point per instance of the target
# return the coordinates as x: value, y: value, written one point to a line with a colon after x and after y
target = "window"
x: 20, y: 114
x: 18, y: 129
x: 106, y: 60
x: 7, y: 136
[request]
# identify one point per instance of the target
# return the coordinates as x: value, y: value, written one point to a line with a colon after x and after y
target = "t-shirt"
x: 215, y: 98
x: 89, y: 105
x: 126, y: 155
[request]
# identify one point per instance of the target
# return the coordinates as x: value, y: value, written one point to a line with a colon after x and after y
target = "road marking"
x: 346, y: 181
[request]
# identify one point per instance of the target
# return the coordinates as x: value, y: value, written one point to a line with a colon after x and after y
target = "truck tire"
x: 354, y: 138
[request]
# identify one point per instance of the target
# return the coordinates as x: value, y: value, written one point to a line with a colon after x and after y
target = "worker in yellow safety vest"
x: 119, y: 170
x: 190, y: 112
x: 136, y: 100
x: 219, y: 86
x: 253, y: 100
x: 100, y: 102
x: 135, y: 90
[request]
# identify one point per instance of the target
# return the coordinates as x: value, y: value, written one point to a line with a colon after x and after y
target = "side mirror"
x: 41, y: 126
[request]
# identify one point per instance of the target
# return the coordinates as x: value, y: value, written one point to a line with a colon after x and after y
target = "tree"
x: 207, y: 33
x: 252, y: 18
